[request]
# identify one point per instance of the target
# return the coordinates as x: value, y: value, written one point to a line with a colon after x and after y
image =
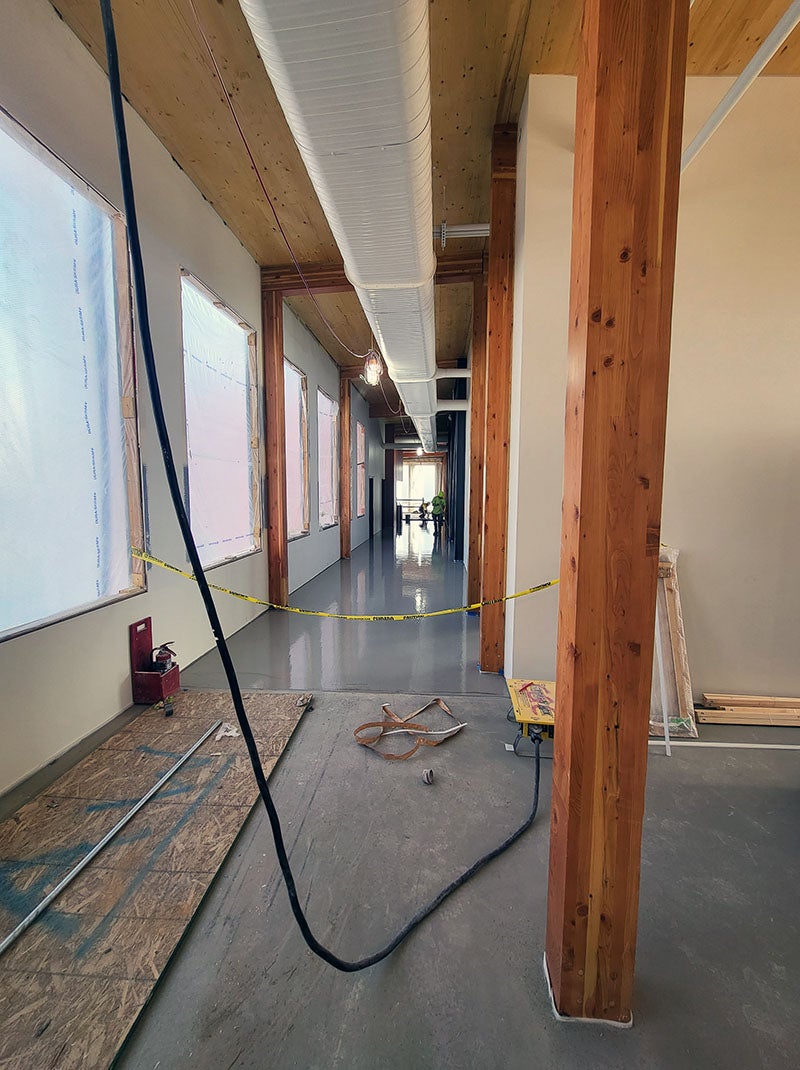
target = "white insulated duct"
x: 353, y: 79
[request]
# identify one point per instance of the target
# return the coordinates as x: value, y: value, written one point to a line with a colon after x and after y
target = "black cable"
x: 140, y: 291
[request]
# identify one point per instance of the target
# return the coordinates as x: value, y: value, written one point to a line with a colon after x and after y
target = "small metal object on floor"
x: 427, y: 776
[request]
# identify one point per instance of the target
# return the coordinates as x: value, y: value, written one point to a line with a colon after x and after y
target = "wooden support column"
x: 345, y: 466
x: 627, y: 166
x: 499, y: 318
x: 477, y: 430
x: 275, y: 415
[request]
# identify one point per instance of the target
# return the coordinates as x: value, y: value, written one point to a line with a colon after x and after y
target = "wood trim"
x: 275, y: 437
x: 757, y: 715
x: 627, y: 170
x: 255, y: 443
x: 331, y: 278
x: 499, y: 322
x: 761, y: 701
x: 345, y: 468
x: 128, y: 408
x: 477, y: 430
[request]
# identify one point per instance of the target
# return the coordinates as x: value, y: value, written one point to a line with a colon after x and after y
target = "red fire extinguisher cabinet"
x: 149, y: 686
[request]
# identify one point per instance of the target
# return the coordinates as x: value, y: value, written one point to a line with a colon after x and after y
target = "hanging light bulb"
x: 420, y: 451
x: 373, y: 367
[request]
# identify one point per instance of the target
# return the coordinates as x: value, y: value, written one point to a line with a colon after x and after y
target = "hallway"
x: 387, y: 574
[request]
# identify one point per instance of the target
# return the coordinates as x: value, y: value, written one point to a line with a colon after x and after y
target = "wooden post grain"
x: 345, y: 467
x: 627, y: 168
x: 275, y: 414
x: 477, y: 429
x: 499, y: 321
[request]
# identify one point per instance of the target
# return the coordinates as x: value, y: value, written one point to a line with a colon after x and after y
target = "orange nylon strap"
x: 371, y: 733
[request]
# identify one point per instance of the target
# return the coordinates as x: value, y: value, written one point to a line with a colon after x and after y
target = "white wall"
x: 359, y: 529
x: 731, y: 502
x: 539, y: 370
x: 312, y: 553
x: 61, y: 683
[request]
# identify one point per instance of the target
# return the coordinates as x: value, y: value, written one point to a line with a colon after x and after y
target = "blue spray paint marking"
x: 157, y: 852
x: 20, y: 902
x: 178, y: 786
x: 195, y: 760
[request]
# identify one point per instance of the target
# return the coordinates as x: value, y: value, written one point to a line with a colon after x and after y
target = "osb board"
x: 75, y: 982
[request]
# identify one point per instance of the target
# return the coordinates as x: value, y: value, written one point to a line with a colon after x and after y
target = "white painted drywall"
x: 61, y: 683
x: 731, y: 502
x: 539, y: 370
x: 359, y: 528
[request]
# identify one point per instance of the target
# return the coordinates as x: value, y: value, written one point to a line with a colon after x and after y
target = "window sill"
x: 70, y: 614
x: 300, y: 535
x: 327, y: 527
x: 230, y: 560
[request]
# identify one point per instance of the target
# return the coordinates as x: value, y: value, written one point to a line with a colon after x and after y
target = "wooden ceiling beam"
x: 383, y: 412
x: 330, y: 278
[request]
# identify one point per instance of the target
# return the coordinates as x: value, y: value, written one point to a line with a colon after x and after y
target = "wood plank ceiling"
x: 482, y: 52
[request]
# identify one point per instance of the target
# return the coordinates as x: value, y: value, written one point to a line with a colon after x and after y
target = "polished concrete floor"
x: 406, y: 574
x: 718, y: 975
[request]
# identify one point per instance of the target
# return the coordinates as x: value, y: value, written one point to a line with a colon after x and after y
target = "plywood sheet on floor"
x: 74, y: 983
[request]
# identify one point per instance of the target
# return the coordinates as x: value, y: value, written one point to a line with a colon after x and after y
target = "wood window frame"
x: 334, y: 462
x: 305, y: 465
x: 361, y: 471
x: 253, y: 412
x: 127, y: 372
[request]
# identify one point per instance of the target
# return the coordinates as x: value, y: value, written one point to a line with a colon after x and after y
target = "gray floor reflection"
x: 410, y: 573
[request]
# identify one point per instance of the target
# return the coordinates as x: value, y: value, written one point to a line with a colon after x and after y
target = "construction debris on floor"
x: 390, y: 737
x: 75, y: 981
x: 671, y: 689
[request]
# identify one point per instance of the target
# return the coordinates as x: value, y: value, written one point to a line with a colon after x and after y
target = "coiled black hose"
x: 140, y: 291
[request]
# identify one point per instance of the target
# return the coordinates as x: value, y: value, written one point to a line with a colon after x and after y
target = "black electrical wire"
x: 140, y: 291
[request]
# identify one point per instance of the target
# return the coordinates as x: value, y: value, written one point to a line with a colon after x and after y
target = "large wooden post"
x: 275, y: 413
x: 345, y: 466
x: 477, y: 429
x: 499, y: 318
x: 627, y: 169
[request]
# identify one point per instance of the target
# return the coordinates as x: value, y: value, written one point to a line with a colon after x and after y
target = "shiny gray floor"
x: 388, y: 574
x: 718, y: 976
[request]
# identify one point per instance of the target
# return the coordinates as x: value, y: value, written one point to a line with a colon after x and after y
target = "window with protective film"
x: 69, y: 455
x: 221, y: 394
x: 361, y: 469
x: 327, y: 455
x: 296, y: 405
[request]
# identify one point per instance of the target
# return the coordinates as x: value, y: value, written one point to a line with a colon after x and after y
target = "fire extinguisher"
x: 161, y: 658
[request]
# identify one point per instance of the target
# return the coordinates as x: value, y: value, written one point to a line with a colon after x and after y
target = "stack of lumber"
x: 749, y: 709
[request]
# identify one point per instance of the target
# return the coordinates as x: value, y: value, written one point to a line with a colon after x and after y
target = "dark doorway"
x: 371, y: 506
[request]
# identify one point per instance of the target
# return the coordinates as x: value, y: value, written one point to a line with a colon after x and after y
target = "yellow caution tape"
x: 143, y: 556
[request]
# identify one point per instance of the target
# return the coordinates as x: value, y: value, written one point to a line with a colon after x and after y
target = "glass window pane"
x: 64, y: 523
x: 294, y: 390
x: 219, y: 426
x: 361, y: 470
x: 327, y: 449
